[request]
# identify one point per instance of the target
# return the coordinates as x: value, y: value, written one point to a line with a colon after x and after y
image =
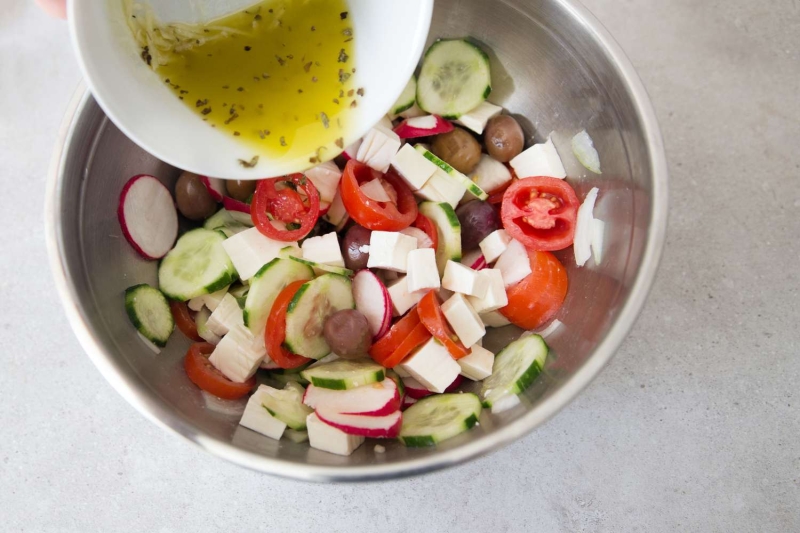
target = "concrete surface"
x: 693, y: 427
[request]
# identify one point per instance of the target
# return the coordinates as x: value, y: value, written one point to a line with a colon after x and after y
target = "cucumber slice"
x: 295, y: 436
x: 201, y: 321
x: 240, y: 293
x: 224, y: 219
x: 285, y: 379
x: 454, y: 79
x: 313, y: 303
x: 407, y: 98
x: 515, y: 368
x: 265, y: 287
x: 449, y: 229
x: 149, y: 311
x: 470, y: 185
x: 344, y: 374
x: 322, y: 268
x: 438, y: 418
x: 287, y: 406
x: 197, y: 265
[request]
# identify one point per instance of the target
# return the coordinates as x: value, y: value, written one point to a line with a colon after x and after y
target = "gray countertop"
x: 693, y: 426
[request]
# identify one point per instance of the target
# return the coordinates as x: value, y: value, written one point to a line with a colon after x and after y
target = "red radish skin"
x: 455, y: 384
x: 147, y: 216
x: 373, y: 301
x: 379, y: 399
x: 215, y: 186
x: 323, y: 208
x: 423, y: 241
x: 404, y: 130
x: 240, y: 211
x: 475, y: 260
x: 376, y: 427
x: 415, y: 389
x: 408, y: 401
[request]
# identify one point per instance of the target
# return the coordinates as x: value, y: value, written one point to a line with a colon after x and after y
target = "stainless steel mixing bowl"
x: 554, y: 65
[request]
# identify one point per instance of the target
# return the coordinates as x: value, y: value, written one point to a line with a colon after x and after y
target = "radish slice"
x: 378, y: 399
x: 408, y: 401
x: 323, y: 208
x: 240, y: 211
x: 415, y: 389
x: 377, y: 427
x: 373, y: 301
x: 582, y: 246
x: 423, y: 127
x: 423, y: 241
x: 455, y: 384
x: 147, y: 216
x: 216, y: 187
x: 475, y: 260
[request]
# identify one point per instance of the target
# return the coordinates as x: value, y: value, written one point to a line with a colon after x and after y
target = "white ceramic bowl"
x: 390, y: 36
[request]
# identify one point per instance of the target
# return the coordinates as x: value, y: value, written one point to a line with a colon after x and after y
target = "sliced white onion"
x: 585, y: 153
x: 583, y: 229
x: 550, y: 329
x: 598, y: 231
x: 374, y: 190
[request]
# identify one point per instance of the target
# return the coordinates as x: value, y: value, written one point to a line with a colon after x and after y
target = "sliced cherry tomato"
x: 424, y: 223
x: 381, y: 216
x: 184, y: 321
x: 536, y: 299
x: 275, y: 333
x: 432, y: 317
x: 206, y: 376
x: 405, y: 335
x: 540, y: 213
x: 285, y: 206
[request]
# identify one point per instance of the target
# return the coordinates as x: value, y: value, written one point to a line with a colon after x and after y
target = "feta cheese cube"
x: 257, y: 418
x: 325, y: 178
x: 493, y: 319
x: 389, y: 250
x: 514, y: 264
x: 477, y: 118
x: 478, y: 364
x: 330, y: 439
x: 238, y: 354
x: 324, y: 249
x: 207, y: 300
x: 413, y: 167
x: 539, y: 160
x: 443, y: 188
x: 464, y: 320
x: 463, y: 279
x: 378, y: 148
x: 490, y: 174
x: 422, y: 270
x: 495, y: 296
x: 432, y: 366
x: 494, y: 245
x: 402, y: 299
x: 227, y: 315
x: 250, y: 250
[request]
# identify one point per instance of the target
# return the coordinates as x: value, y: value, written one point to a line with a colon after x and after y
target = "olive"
x: 347, y: 333
x: 240, y: 189
x: 504, y: 138
x: 355, y: 247
x: 193, y: 199
x: 478, y: 219
x: 459, y: 149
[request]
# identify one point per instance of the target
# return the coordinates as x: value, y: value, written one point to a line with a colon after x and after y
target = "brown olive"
x: 193, y: 199
x: 459, y: 149
x: 355, y: 247
x: 347, y: 333
x: 240, y: 189
x: 504, y: 138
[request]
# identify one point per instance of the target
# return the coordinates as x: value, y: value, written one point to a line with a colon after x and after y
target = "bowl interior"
x: 557, y: 72
x: 137, y: 101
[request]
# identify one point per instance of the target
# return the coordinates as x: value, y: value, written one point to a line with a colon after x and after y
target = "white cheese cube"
x: 325, y: 178
x: 494, y: 245
x: 495, y: 296
x: 330, y: 439
x: 402, y: 299
x: 463, y: 279
x: 477, y: 118
x: 238, y: 354
x: 514, y: 264
x: 257, y: 418
x: 493, y: 319
x: 324, y: 249
x: 422, y: 270
x: 352, y: 150
x: 389, y: 250
x: 443, y: 188
x: 250, y: 250
x: 490, y: 174
x: 432, y: 366
x: 207, y: 300
x: 478, y: 364
x: 413, y: 167
x: 337, y: 214
x: 379, y: 147
x: 463, y: 319
x: 539, y: 160
x: 227, y: 315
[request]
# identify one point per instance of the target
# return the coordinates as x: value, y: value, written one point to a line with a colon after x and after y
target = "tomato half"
x: 408, y: 333
x: 184, y: 321
x: 206, y: 376
x: 540, y: 213
x: 424, y: 223
x: 432, y: 317
x: 381, y: 216
x: 275, y: 333
x: 536, y: 299
x: 285, y: 206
